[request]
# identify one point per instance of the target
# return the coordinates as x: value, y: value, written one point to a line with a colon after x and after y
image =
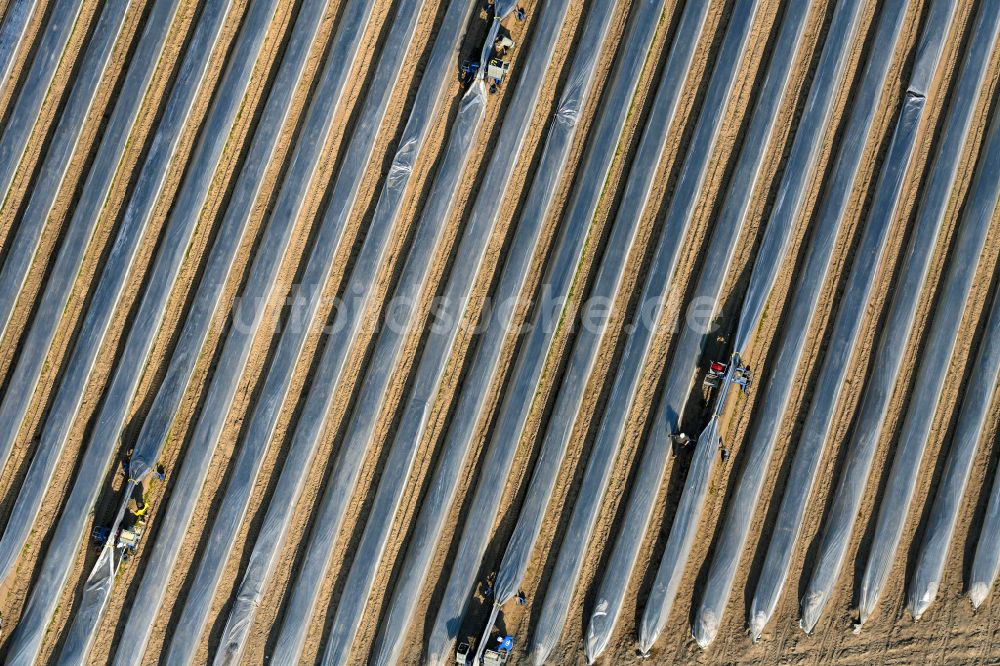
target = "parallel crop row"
x: 846, y: 328
x: 681, y: 367
x: 809, y: 285
x: 179, y: 230
x: 898, y: 327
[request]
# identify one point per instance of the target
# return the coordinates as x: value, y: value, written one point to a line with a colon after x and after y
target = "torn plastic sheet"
x: 229, y: 238
x: 361, y: 284
x: 932, y: 371
x: 437, y: 349
x: 481, y: 374
x: 562, y: 583
x: 194, y: 469
x: 109, y: 289
x: 721, y: 251
x: 836, y: 532
x: 731, y: 540
x: 288, y: 490
x: 86, y: 213
x: 845, y: 334
x: 12, y: 32
x: 605, y: 134
x: 979, y: 392
x: 97, y: 588
x: 179, y: 230
x: 22, y: 117
x: 45, y: 187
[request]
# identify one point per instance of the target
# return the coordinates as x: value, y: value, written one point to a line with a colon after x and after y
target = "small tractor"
x: 496, y: 65
x: 126, y: 541
x: 719, y: 372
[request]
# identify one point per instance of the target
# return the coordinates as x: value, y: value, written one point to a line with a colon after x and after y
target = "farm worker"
x: 743, y: 382
x: 126, y: 460
x: 681, y: 441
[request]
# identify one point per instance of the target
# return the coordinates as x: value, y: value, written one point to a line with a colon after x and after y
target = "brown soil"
x: 950, y: 632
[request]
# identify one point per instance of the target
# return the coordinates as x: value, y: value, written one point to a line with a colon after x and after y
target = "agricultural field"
x: 529, y: 331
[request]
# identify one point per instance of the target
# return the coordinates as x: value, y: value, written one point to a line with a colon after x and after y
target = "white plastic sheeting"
x: 433, y: 362
x: 979, y: 392
x: 233, y: 227
x: 62, y: 275
x: 82, y: 631
x: 88, y: 207
x: 806, y: 149
x: 64, y: 141
x: 808, y: 287
x: 228, y: 239
x: 13, y: 141
x: 604, y: 137
x: 482, y: 373
x: 385, y: 358
x: 12, y: 31
x: 111, y: 284
x: 71, y: 527
x: 361, y: 284
x: 500, y: 452
x: 836, y: 532
x: 986, y: 563
x: 22, y: 117
x: 571, y: 390
x: 437, y: 350
x: 562, y: 583
x: 179, y: 230
x: 845, y: 333
x: 326, y: 243
x: 688, y: 349
x: 932, y: 370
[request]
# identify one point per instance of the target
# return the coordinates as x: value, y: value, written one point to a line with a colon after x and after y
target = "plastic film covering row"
x: 682, y: 365
x: 472, y: 245
x: 850, y: 488
x: 179, y: 230
x: 563, y: 582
